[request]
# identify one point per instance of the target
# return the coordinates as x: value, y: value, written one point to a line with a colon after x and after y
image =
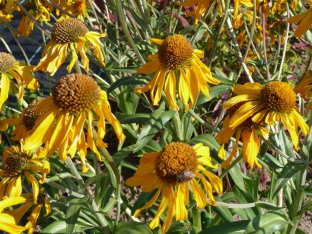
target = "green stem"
x: 93, y: 205
x: 196, y: 219
x: 216, y: 39
x: 201, y: 121
x: 112, y: 168
x: 126, y: 31
x: 178, y: 126
x: 226, y: 170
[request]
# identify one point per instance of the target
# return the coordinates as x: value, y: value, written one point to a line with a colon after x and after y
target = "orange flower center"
x: 176, y: 163
x: 75, y: 93
x: 279, y: 96
x: 80, y: 7
x: 15, y: 164
x: 175, y: 52
x: 7, y: 61
x: 68, y: 30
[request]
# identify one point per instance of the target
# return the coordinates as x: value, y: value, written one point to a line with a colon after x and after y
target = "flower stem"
x: 178, y: 126
x: 200, y: 120
x: 115, y: 177
x: 93, y: 205
x: 126, y: 31
x: 196, y: 219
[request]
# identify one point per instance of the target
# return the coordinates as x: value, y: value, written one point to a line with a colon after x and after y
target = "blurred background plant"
x: 202, y: 106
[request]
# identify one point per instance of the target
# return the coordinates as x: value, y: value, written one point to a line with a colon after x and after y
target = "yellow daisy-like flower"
x: 70, y: 34
x: 26, y: 122
x: 280, y: 6
x: 240, y: 18
x: 6, y: 8
x: 19, y: 165
x: 7, y: 220
x: 29, y: 203
x: 10, y: 68
x: 305, y: 88
x: 237, y: 3
x: 202, y: 6
x: 272, y: 103
x: 305, y: 19
x: 77, y: 101
x: 75, y: 7
x: 173, y: 171
x: 38, y: 11
x: 248, y: 131
x: 176, y: 63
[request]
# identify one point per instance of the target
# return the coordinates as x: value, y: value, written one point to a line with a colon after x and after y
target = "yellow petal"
x: 181, y: 212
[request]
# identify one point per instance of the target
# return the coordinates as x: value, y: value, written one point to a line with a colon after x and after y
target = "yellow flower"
x: 248, y: 131
x: 239, y: 19
x: 201, y: 8
x: 237, y: 3
x: 263, y: 7
x: 38, y: 11
x: 176, y: 63
x: 24, y: 124
x: 29, y: 203
x: 74, y: 7
x: 280, y: 6
x: 10, y: 68
x: 6, y: 8
x: 8, y: 221
x: 173, y: 171
x: 70, y: 34
x: 305, y: 88
x: 76, y: 101
x: 305, y: 19
x: 272, y: 103
x: 20, y: 164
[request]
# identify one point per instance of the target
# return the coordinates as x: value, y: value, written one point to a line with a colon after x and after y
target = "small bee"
x: 185, y: 176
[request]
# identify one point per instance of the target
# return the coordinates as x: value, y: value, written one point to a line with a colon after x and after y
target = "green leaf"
x: 284, y: 144
x: 289, y: 170
x: 126, y: 81
x: 127, y: 102
x: 132, y: 118
x: 94, y: 178
x: 237, y: 227
x: 268, y: 206
x: 214, y: 92
x: 132, y: 228
x: 158, y: 119
x: 223, y: 80
x: 223, y: 212
x: 237, y: 176
x: 111, y: 33
x: 244, y: 198
x: 267, y: 223
x: 179, y: 228
x: 56, y: 227
x: 72, y: 214
x: 207, y: 140
x: 308, y: 190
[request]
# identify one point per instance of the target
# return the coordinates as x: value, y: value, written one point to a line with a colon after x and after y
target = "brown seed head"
x: 176, y: 163
x: 7, y: 61
x: 68, y: 30
x: 175, y: 52
x: 15, y: 164
x: 279, y: 96
x: 75, y: 93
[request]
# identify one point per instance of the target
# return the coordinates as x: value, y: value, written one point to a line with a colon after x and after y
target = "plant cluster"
x: 159, y: 116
